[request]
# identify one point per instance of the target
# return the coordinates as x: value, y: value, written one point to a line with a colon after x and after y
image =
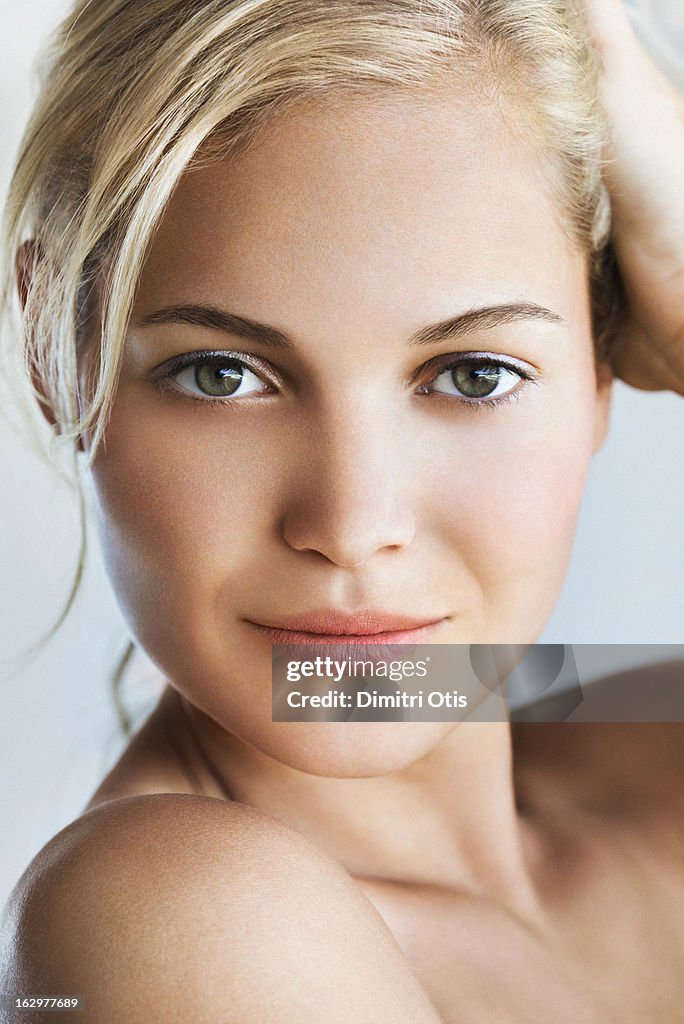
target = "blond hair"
x: 133, y: 91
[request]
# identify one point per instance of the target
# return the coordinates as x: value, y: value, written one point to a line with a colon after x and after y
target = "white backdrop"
x: 58, y: 731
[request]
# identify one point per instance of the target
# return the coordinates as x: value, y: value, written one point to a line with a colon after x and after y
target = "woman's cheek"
x: 510, y: 501
x: 172, y: 490
x: 552, y: 466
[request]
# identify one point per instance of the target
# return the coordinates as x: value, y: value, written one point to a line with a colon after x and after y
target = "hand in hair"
x: 644, y: 173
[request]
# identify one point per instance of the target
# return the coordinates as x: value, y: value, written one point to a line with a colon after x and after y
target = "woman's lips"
x: 334, y: 627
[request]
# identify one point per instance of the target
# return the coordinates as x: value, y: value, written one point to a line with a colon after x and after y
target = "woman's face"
x: 354, y: 466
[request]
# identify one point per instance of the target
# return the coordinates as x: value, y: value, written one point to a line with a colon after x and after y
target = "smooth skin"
x: 368, y: 872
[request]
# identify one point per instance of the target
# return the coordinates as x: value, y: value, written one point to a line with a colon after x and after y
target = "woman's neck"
x: 449, y: 819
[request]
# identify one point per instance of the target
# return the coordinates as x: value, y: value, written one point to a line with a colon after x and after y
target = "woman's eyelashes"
x: 477, y: 379
x: 215, y: 377
x: 222, y: 378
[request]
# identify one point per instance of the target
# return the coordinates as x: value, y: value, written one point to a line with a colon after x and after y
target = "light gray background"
x: 58, y: 731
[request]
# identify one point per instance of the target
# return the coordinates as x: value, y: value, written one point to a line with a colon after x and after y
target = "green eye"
x: 219, y: 378
x: 476, y: 382
x: 473, y: 380
x: 219, y: 381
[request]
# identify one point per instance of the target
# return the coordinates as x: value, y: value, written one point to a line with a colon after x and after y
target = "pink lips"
x: 330, y: 626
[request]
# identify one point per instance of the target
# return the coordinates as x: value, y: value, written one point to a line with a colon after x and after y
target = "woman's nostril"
x: 347, y: 544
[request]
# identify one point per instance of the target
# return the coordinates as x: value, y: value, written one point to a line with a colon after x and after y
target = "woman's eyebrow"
x: 218, y: 320
x: 481, y: 318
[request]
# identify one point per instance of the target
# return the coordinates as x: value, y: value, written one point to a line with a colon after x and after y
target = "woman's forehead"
x: 360, y: 206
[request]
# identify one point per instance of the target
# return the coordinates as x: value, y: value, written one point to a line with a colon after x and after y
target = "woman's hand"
x: 644, y: 173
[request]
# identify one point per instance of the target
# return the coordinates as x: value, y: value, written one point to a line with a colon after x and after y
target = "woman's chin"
x: 351, y: 749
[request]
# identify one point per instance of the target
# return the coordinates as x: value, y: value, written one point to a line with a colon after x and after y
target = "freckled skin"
x: 350, y: 229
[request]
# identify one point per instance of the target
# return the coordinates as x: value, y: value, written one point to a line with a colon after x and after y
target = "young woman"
x: 325, y: 294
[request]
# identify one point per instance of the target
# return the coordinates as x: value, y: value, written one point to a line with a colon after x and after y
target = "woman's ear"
x: 604, y: 395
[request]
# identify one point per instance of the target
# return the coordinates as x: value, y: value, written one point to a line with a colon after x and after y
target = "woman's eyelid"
x: 449, y: 360
x: 482, y: 356
x: 176, y: 364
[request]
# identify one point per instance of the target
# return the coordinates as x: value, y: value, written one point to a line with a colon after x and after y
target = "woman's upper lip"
x: 366, y: 622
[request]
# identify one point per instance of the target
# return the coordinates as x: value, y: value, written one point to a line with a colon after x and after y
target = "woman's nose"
x: 352, y: 496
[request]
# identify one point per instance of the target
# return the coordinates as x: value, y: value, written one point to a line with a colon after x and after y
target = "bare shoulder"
x: 621, y: 747
x: 178, y: 907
